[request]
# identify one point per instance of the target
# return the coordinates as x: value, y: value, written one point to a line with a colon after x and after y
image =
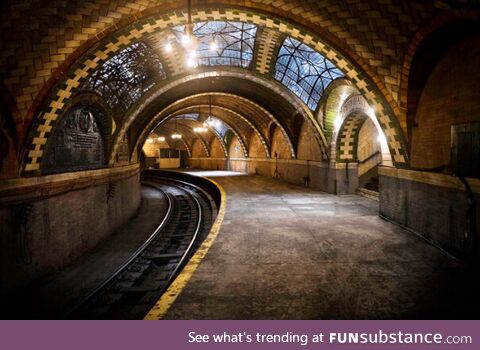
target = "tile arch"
x: 88, y: 63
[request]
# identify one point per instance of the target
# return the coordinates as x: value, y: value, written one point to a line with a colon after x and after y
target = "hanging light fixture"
x: 189, y: 41
x: 201, y: 129
x: 210, y: 122
x: 176, y: 135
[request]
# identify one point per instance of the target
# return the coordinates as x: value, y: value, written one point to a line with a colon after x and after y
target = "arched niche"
x: 79, y: 143
x: 444, y: 101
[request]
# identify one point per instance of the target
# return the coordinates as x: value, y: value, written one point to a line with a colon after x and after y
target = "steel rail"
x: 191, y: 192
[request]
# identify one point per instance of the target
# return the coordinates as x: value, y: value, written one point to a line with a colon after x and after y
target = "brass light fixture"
x: 203, y: 128
x: 189, y: 41
x: 210, y: 122
x: 176, y: 135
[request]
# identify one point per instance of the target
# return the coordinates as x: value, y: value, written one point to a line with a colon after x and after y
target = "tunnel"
x: 239, y: 159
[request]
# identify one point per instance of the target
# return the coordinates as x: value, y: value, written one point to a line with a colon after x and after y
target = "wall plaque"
x: 78, y: 142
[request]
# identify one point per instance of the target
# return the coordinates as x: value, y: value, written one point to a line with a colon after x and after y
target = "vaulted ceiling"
x: 53, y: 51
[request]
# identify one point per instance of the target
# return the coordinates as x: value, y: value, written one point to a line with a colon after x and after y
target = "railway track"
x: 135, y: 287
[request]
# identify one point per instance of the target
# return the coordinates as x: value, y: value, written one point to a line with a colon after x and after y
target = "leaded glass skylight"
x: 190, y: 116
x: 125, y: 77
x: 219, y: 126
x: 304, y: 71
x: 223, y: 43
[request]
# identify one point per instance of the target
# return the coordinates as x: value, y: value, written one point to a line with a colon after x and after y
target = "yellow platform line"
x: 162, y: 306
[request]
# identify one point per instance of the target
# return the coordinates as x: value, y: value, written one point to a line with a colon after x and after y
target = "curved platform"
x: 287, y: 252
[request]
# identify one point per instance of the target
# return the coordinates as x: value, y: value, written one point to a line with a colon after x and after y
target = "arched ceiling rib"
x: 194, y: 123
x: 236, y: 123
x: 373, y: 89
x: 256, y: 114
x: 266, y: 99
x: 187, y: 133
x: 236, y: 118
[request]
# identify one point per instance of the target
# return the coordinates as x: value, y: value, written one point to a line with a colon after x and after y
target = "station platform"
x: 287, y: 252
x: 282, y: 252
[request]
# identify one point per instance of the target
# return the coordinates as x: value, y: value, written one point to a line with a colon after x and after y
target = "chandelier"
x: 200, y: 129
x: 153, y: 140
x: 176, y: 135
x: 210, y: 122
x: 203, y: 128
x: 188, y: 41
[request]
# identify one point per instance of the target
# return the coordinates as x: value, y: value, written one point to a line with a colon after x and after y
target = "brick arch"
x: 278, y: 144
x: 187, y: 146
x: 8, y: 141
x: 234, y: 130
x: 157, y: 119
x: 307, y: 148
x: 353, y: 113
x: 347, y: 139
x: 218, y: 152
x: 331, y: 101
x: 187, y: 133
x: 274, y: 86
x: 219, y: 139
x: 415, y: 43
x: 202, y: 144
x: 93, y: 21
x: 372, y: 89
x: 104, y: 120
x: 183, y: 122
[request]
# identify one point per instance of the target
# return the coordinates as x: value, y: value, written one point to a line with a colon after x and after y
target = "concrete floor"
x: 58, y: 294
x: 286, y: 252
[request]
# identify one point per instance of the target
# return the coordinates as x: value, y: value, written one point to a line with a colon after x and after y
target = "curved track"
x: 139, y: 282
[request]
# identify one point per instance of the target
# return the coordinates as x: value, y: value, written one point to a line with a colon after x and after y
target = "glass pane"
x: 234, y: 43
x: 304, y: 71
x: 125, y: 77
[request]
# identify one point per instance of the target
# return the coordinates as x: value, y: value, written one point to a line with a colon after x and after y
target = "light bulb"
x: 191, y: 62
x: 161, y: 139
x: 186, y: 39
x: 213, y: 46
x: 168, y: 47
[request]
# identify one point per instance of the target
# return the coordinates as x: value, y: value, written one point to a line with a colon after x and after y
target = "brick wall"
x: 322, y: 177
x: 216, y: 149
x: 279, y: 145
x: 375, y: 32
x: 235, y: 148
x: 451, y: 96
x: 308, y: 147
x: 197, y: 149
x: 375, y: 35
x: 437, y: 212
x: 368, y: 152
x: 151, y: 149
x: 60, y: 229
x: 256, y: 149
